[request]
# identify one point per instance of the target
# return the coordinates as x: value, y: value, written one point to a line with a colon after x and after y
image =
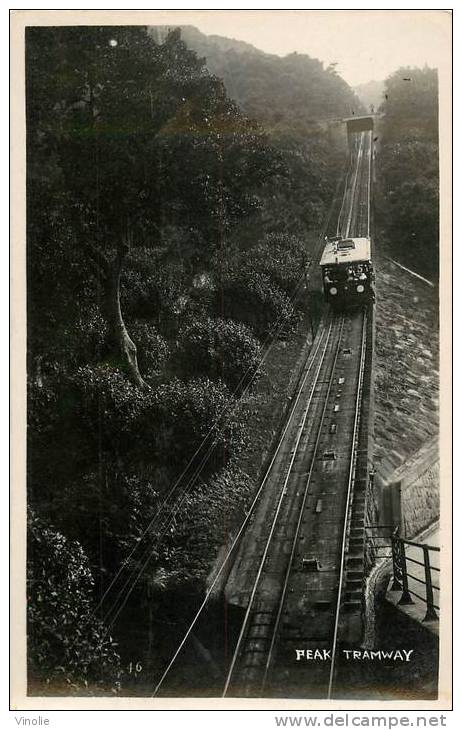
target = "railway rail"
x: 298, y: 561
x: 305, y: 558
x: 303, y: 580
x: 354, y: 215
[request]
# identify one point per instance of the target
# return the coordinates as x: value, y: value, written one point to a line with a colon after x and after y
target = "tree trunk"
x: 119, y: 340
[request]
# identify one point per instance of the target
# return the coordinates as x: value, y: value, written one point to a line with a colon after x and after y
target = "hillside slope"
x: 408, y: 169
x: 300, y: 105
x: 371, y: 93
x: 267, y: 87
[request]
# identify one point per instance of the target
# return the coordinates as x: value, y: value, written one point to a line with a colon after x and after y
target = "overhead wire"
x: 194, y: 477
x: 270, y: 339
x: 177, y: 505
x: 250, y: 511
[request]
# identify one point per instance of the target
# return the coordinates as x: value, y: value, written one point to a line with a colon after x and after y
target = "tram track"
x: 290, y: 500
x: 287, y: 570
x: 298, y: 560
x: 305, y: 561
x: 359, y: 219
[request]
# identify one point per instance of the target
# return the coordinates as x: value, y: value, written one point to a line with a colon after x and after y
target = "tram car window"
x: 347, y: 271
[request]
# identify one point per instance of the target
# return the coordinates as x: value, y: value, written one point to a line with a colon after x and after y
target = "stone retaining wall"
x: 410, y: 494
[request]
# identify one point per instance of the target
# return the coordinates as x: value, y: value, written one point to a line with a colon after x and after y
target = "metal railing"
x: 402, y: 576
x: 385, y: 543
x: 378, y: 541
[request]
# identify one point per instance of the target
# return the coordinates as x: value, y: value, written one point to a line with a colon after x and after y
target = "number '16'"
x: 135, y: 667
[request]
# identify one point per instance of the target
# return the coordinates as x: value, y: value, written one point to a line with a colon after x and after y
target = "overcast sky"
x: 367, y: 44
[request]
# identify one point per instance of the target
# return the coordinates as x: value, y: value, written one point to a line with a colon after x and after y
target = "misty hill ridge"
x: 270, y: 88
x: 371, y: 92
x: 197, y: 40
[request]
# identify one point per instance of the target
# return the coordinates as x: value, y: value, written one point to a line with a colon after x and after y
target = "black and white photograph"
x: 235, y: 250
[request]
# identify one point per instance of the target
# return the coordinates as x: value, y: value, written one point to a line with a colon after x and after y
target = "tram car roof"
x: 345, y: 251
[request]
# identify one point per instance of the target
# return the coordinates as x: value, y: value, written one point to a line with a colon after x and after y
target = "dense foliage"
x: 254, y: 299
x: 183, y: 554
x: 220, y: 348
x: 408, y: 168
x: 66, y: 640
x: 165, y: 242
x: 298, y: 86
x: 300, y: 103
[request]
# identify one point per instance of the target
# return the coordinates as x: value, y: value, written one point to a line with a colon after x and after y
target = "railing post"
x: 431, y: 614
x: 405, y: 599
x: 397, y: 570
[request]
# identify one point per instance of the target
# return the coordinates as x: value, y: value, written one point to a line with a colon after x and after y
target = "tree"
x: 252, y: 298
x: 408, y: 167
x: 66, y: 640
x: 130, y: 137
x: 411, y: 105
x: 219, y: 349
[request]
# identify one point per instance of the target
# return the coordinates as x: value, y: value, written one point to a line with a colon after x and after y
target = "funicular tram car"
x: 347, y: 272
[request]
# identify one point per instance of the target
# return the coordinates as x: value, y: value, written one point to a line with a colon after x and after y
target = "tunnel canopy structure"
x: 359, y: 124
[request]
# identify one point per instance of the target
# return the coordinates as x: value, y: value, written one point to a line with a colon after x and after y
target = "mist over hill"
x: 204, y: 44
x: 371, y: 93
x: 408, y: 167
x: 270, y: 88
x: 300, y: 104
